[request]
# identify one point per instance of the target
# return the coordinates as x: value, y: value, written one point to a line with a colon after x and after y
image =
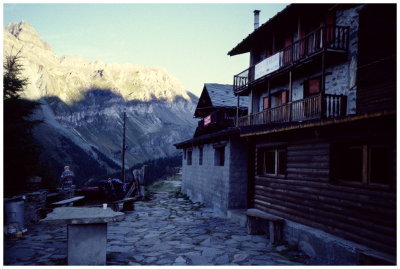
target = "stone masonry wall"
x: 207, y: 183
x: 218, y: 187
x: 238, y: 174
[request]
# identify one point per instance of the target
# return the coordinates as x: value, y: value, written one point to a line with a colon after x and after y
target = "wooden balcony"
x: 315, y: 107
x: 219, y: 118
x: 327, y: 38
x: 216, y: 121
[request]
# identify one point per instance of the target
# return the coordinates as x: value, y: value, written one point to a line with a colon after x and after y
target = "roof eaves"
x: 207, y: 138
x: 237, y: 50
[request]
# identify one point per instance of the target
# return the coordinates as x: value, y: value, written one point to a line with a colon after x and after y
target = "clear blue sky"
x: 190, y: 40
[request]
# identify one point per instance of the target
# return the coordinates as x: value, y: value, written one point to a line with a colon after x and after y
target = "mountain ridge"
x: 53, y: 74
x: 83, y: 105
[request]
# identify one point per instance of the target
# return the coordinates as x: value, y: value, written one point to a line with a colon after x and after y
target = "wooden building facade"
x: 321, y: 123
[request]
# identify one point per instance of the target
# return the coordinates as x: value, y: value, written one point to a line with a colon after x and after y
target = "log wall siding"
x: 376, y: 71
x: 307, y: 196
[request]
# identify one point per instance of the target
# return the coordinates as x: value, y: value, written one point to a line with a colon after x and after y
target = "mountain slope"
x: 83, y: 105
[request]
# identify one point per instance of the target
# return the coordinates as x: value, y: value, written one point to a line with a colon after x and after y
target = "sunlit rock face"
x: 70, y: 77
x: 84, y: 102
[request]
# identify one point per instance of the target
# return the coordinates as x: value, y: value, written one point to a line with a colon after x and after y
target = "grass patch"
x: 174, y: 177
x: 163, y: 186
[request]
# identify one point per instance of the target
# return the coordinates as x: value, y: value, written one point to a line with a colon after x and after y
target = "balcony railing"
x: 310, y: 108
x: 336, y: 39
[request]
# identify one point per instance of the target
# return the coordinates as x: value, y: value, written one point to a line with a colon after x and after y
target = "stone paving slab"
x: 167, y: 230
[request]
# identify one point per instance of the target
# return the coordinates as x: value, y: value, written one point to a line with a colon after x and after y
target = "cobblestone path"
x: 167, y: 230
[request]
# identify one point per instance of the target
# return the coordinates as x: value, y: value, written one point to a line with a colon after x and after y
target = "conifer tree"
x: 21, y: 154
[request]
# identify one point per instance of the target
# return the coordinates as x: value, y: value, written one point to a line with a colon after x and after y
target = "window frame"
x: 366, y: 165
x: 276, y: 149
x: 306, y: 86
x: 219, y: 147
x: 189, y: 160
x: 219, y: 156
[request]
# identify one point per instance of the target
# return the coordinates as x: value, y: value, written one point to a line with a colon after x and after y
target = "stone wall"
x: 217, y: 187
x: 238, y: 174
x: 207, y: 183
x: 34, y: 206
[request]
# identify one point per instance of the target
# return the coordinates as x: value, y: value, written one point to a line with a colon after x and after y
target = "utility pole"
x: 123, y: 150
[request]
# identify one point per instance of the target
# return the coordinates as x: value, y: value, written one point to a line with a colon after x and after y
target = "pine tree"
x: 21, y: 154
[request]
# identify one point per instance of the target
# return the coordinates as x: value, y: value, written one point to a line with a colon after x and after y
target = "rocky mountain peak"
x: 25, y: 32
x: 70, y: 77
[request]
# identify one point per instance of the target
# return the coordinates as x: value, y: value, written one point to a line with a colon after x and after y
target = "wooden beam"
x: 324, y: 123
x: 273, y: 44
x: 251, y: 105
x: 365, y: 164
x: 269, y: 93
x: 237, y: 112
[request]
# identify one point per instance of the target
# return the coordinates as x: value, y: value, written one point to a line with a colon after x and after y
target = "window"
x: 219, y: 153
x: 189, y: 157
x: 265, y: 103
x: 312, y: 87
x: 271, y: 161
x: 381, y: 165
x: 366, y: 164
x: 201, y: 155
x: 184, y: 154
x: 278, y: 99
x: 219, y: 156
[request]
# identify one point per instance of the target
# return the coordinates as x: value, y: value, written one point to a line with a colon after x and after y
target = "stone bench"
x: 125, y: 204
x: 86, y: 232
x: 254, y: 225
x: 68, y: 202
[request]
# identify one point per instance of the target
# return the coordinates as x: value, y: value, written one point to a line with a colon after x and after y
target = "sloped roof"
x: 291, y: 11
x: 221, y: 95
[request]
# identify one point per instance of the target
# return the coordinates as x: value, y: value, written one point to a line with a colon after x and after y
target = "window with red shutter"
x: 284, y: 97
x: 329, y: 20
x: 312, y: 87
x: 265, y: 103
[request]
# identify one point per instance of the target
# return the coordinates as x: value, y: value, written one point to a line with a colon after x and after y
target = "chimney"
x: 256, y: 18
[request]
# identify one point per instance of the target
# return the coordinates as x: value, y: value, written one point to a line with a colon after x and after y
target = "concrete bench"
x: 68, y: 202
x: 86, y: 232
x: 254, y: 227
x: 124, y: 204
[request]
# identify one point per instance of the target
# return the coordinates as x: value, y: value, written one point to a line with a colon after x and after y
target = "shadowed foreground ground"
x: 167, y: 230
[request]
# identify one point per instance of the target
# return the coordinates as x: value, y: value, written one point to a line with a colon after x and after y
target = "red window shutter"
x: 302, y: 32
x: 268, y: 52
x: 314, y: 86
x: 329, y: 18
x: 284, y: 97
x: 265, y: 106
x: 288, y: 41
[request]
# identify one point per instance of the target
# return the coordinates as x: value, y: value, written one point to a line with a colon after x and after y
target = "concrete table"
x: 87, y: 232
